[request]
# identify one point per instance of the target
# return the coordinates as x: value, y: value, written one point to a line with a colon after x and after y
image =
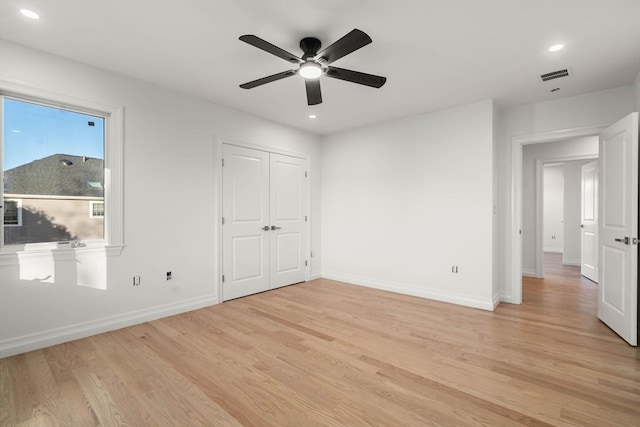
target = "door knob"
x: 624, y: 240
x: 265, y: 228
x: 273, y: 227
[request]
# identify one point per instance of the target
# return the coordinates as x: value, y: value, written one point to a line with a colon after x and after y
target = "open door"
x: 618, y: 229
x: 589, y: 222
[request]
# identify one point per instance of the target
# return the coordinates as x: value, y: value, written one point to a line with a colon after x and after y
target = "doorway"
x: 534, y: 158
x: 567, y: 210
x: 515, y: 248
x: 618, y: 222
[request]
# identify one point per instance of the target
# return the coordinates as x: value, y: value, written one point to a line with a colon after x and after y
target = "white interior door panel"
x: 618, y: 230
x: 265, y: 226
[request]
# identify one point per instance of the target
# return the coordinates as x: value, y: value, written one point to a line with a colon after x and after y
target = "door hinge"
x: 305, y: 218
x: 305, y: 174
x: 222, y: 162
x: 222, y: 220
x: 634, y: 241
x: 305, y: 263
x: 223, y: 278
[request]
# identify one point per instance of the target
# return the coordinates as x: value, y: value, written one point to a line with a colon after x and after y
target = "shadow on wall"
x: 87, y: 268
x: 37, y: 227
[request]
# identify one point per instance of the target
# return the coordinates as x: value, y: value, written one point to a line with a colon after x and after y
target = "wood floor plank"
x: 8, y: 392
x: 332, y: 354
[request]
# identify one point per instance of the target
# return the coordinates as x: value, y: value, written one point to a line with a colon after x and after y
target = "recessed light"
x: 556, y: 47
x: 29, y: 14
x: 312, y: 116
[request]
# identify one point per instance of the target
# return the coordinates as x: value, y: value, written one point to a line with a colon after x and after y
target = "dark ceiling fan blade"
x: 268, y: 79
x: 272, y: 49
x: 356, y: 77
x: 347, y: 44
x: 314, y: 96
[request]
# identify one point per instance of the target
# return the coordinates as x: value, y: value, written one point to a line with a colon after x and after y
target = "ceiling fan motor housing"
x: 310, y: 46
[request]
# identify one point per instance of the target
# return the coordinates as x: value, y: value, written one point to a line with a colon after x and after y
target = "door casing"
x: 513, y: 247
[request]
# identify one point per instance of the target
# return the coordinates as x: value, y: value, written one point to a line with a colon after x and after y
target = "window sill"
x: 14, y: 255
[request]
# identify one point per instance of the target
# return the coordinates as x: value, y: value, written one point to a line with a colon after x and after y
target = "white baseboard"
x: 553, y: 250
x: 401, y: 288
x: 529, y: 272
x: 314, y: 275
x: 572, y: 262
x: 506, y: 298
x: 496, y: 300
x: 23, y: 344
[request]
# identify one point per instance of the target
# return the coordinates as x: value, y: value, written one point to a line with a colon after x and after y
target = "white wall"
x: 544, y: 152
x: 592, y: 109
x: 170, y: 209
x: 553, y: 209
x: 403, y: 202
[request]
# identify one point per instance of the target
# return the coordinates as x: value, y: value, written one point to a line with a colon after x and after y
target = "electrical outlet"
x: 136, y: 280
x: 168, y: 275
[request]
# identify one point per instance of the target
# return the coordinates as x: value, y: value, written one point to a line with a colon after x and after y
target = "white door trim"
x: 217, y: 201
x: 514, y: 249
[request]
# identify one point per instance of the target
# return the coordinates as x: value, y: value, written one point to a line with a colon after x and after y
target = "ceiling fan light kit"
x: 310, y: 70
x: 312, y: 65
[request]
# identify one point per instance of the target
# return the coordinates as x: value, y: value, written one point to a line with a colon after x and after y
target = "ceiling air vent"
x: 554, y: 75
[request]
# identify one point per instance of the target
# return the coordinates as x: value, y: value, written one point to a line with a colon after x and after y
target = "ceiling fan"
x: 312, y: 64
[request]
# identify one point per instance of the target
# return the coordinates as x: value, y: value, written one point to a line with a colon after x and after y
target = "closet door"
x: 288, y: 220
x: 245, y: 231
x: 264, y: 232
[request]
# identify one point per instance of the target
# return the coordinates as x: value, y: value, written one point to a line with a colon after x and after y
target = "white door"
x: 264, y: 233
x: 245, y: 212
x: 288, y: 234
x: 589, y: 221
x: 618, y: 231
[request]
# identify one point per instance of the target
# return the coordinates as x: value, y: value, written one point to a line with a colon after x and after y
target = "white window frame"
x: 113, y: 242
x: 19, y: 206
x: 92, y: 203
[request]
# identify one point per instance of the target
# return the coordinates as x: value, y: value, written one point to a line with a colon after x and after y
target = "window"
x: 55, y: 151
x: 53, y: 159
x: 96, y: 209
x: 12, y: 213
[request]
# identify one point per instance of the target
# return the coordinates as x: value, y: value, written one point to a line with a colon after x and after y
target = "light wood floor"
x: 328, y: 353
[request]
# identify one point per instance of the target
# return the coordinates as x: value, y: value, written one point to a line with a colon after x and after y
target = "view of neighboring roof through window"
x: 53, y: 163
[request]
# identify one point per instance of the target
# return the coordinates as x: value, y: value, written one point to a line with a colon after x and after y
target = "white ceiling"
x: 435, y: 54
